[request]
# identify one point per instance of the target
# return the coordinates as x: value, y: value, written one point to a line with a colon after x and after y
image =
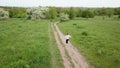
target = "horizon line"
x: 60, y: 6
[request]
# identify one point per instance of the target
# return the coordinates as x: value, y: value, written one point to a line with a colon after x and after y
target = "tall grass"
x: 25, y: 44
x: 97, y: 39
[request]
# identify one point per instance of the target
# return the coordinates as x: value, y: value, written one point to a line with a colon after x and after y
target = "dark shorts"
x: 67, y: 40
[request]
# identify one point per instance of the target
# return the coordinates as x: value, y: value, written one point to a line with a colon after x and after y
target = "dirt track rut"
x: 74, y: 59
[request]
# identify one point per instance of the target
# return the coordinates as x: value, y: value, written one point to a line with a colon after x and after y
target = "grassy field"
x: 97, y: 39
x: 28, y: 44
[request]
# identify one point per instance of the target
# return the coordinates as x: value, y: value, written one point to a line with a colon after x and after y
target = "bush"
x: 74, y: 24
x: 87, y: 14
x: 17, y: 12
x: 3, y: 14
x: 118, y: 16
x: 72, y: 13
x: 64, y: 17
x: 85, y: 33
x: 36, y: 13
x: 51, y: 13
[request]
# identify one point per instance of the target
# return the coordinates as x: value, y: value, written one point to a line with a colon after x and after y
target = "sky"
x: 61, y: 3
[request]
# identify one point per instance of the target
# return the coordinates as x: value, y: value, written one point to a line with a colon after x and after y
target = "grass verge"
x: 97, y: 39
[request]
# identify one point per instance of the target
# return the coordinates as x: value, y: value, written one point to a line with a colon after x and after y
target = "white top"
x: 67, y: 36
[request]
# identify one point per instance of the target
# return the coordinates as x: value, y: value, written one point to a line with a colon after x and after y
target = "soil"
x: 70, y: 55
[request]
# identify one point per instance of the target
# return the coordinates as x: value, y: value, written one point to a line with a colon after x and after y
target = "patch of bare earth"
x: 76, y: 60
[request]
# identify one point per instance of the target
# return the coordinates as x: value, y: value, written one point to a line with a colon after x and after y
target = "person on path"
x: 67, y: 37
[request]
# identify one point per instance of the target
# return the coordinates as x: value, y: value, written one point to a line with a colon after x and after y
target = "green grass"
x: 55, y: 54
x: 27, y: 44
x: 97, y: 39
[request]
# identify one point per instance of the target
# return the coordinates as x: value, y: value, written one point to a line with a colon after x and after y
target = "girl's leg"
x: 67, y: 41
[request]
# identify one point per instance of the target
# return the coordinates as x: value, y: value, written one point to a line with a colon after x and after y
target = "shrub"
x: 80, y: 27
x: 118, y: 16
x: 87, y: 14
x: 17, y: 12
x: 74, y: 24
x: 51, y: 13
x: 85, y: 33
x: 36, y: 13
x: 64, y: 17
x: 3, y: 14
x: 72, y: 13
x: 100, y: 51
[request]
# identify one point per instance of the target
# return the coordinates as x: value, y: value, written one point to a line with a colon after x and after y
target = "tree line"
x: 62, y: 14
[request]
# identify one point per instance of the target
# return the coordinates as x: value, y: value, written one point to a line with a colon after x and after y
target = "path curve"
x: 75, y: 57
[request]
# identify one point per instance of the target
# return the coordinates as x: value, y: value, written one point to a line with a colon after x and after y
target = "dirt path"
x: 70, y: 55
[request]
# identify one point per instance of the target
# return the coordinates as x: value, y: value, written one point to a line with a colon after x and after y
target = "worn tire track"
x: 77, y: 59
x: 66, y: 62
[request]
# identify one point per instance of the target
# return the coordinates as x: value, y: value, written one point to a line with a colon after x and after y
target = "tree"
x: 72, y: 13
x: 62, y: 10
x: 36, y: 13
x: 102, y: 12
x: 117, y: 11
x: 64, y: 17
x: 52, y: 14
x: 17, y: 12
x: 109, y: 12
x: 79, y: 12
x: 3, y: 14
x: 87, y: 14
